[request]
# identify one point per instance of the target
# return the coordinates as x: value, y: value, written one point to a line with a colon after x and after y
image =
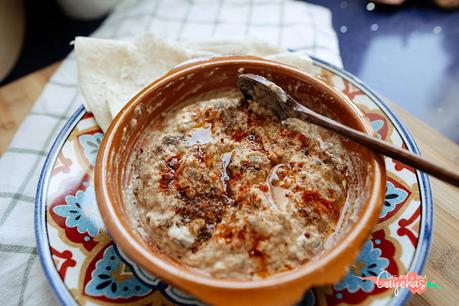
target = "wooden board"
x: 17, y: 98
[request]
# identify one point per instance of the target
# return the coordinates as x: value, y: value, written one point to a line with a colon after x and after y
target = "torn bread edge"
x: 112, y: 72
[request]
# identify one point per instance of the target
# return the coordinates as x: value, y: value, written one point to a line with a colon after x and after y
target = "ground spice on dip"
x: 224, y: 186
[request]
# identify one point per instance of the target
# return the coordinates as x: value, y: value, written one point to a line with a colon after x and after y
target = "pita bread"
x: 111, y: 72
x: 99, y: 70
x: 248, y: 46
x: 149, y: 58
x: 297, y: 59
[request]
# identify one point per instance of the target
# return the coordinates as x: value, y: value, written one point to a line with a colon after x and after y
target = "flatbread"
x: 99, y: 71
x: 149, y: 58
x: 297, y: 59
x: 111, y: 72
x: 247, y: 46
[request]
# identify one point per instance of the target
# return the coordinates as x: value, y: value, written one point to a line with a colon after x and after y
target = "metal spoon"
x: 262, y: 90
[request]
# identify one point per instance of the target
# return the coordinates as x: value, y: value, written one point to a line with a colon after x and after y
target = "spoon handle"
x: 377, y: 145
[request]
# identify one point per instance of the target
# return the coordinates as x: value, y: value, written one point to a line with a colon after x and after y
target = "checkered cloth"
x: 291, y: 24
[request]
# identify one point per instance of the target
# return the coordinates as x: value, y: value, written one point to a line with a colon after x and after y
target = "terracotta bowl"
x: 200, y: 77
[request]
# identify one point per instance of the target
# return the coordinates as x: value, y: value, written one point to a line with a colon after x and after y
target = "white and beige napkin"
x: 292, y: 25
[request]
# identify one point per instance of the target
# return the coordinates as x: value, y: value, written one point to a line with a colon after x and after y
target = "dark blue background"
x: 412, y: 57
x: 409, y: 54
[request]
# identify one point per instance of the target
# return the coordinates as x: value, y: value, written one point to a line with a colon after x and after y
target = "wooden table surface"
x: 17, y: 98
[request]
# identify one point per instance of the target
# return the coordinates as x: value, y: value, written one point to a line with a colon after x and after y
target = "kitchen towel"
x: 291, y: 24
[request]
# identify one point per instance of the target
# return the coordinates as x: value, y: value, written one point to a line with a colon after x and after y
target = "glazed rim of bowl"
x: 137, y: 250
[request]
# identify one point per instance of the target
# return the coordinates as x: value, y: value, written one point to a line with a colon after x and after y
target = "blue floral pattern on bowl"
x: 91, y: 144
x: 368, y: 263
x: 394, y: 196
x: 114, y: 279
x: 81, y: 211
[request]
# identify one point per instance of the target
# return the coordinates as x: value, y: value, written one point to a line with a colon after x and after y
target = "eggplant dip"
x: 223, y: 186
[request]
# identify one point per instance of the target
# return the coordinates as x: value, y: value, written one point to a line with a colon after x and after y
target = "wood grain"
x: 443, y: 263
x: 17, y: 98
